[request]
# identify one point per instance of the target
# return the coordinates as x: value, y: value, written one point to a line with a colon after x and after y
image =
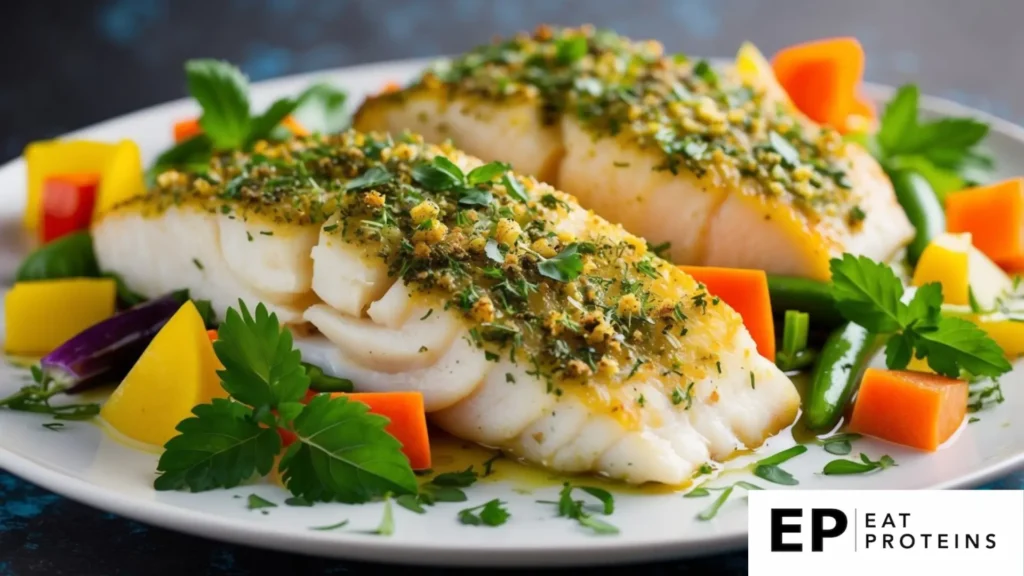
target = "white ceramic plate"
x: 84, y: 463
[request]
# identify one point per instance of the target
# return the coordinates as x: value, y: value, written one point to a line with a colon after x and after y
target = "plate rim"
x: 374, y: 549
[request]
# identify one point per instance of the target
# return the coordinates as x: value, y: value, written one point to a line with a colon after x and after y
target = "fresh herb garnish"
x: 296, y: 501
x: 846, y: 467
x: 944, y: 151
x: 711, y: 511
x: 574, y: 509
x: 387, y: 520
x: 255, y: 502
x: 491, y: 513
x: 768, y: 468
x: 566, y: 266
x: 341, y: 524
x: 869, y: 294
x: 36, y: 398
x: 341, y: 451
x: 839, y: 444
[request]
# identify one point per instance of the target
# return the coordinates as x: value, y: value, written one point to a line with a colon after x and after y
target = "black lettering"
x: 779, y: 528
x: 869, y: 539
x: 973, y: 541
x: 886, y: 540
x: 991, y: 539
x: 904, y: 515
x: 888, y: 522
x: 943, y: 541
x: 903, y: 541
x: 818, y: 531
x: 925, y: 537
x: 869, y: 520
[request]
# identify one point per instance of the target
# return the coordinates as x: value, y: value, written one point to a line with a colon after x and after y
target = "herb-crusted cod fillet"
x: 724, y: 169
x: 528, y: 323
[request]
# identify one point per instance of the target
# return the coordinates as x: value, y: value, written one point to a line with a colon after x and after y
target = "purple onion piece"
x: 105, y: 352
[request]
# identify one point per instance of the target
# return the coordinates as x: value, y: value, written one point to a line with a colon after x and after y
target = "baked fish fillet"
x: 724, y: 169
x: 528, y: 323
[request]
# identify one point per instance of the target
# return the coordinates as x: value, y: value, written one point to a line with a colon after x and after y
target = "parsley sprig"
x: 569, y: 507
x: 227, y: 119
x: 342, y: 452
x: 944, y: 151
x: 869, y: 294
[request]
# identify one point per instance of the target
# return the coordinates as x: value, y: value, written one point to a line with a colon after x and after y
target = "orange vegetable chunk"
x: 915, y: 409
x: 821, y: 78
x: 994, y: 215
x: 408, y: 421
x: 185, y: 129
x: 746, y: 292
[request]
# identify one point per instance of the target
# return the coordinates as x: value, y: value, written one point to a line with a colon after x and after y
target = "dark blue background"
x: 67, y: 64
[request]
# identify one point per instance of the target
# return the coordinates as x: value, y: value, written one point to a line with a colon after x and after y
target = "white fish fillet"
x: 719, y: 218
x: 654, y: 421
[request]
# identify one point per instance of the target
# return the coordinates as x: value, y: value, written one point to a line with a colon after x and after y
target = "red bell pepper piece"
x: 67, y: 202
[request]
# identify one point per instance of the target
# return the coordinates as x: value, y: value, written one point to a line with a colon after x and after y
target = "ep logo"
x: 823, y: 523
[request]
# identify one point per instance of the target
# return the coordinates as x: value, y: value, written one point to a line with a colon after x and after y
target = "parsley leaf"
x: 844, y: 467
x: 514, y: 188
x: 434, y: 178
x: 263, y: 124
x: 486, y: 173
x: 343, y: 453
x: 867, y: 293
x: 220, y: 447
x: 961, y: 345
x: 570, y: 508
x: 256, y: 502
x: 261, y: 368
x: 461, y: 479
x: 375, y: 176
x: 491, y: 513
x: 223, y: 93
x: 566, y: 266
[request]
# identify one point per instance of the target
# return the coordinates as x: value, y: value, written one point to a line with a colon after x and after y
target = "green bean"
x: 841, y: 363
x: 922, y: 207
x: 804, y: 295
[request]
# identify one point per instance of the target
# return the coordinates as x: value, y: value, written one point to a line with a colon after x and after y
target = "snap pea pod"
x: 804, y: 295
x: 841, y: 363
x: 922, y: 207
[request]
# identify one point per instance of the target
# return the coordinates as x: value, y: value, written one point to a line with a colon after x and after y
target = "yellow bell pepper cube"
x: 54, y: 157
x: 122, y: 177
x: 176, y: 372
x: 42, y: 315
x: 962, y: 270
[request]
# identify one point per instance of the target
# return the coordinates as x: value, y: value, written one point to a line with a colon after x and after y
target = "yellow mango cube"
x: 176, y: 372
x: 42, y: 315
x: 51, y: 157
x: 962, y: 270
x: 122, y: 177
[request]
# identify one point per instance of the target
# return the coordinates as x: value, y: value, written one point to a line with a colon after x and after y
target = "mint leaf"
x: 192, y: 155
x: 868, y: 293
x: 223, y: 93
x: 958, y: 345
x: 261, y: 368
x: 450, y: 168
x: 898, y: 120
x: 486, y: 173
x: 343, y: 453
x: 220, y: 447
x: 434, y: 178
x: 944, y: 139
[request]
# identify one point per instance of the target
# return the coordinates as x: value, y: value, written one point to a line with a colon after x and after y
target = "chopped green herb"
x: 491, y: 513
x: 846, y: 467
x: 256, y: 502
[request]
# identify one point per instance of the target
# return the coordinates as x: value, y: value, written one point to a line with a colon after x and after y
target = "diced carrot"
x: 185, y: 129
x: 914, y: 409
x: 212, y: 334
x: 408, y: 421
x: 994, y: 215
x: 390, y: 86
x: 821, y: 77
x: 746, y: 292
